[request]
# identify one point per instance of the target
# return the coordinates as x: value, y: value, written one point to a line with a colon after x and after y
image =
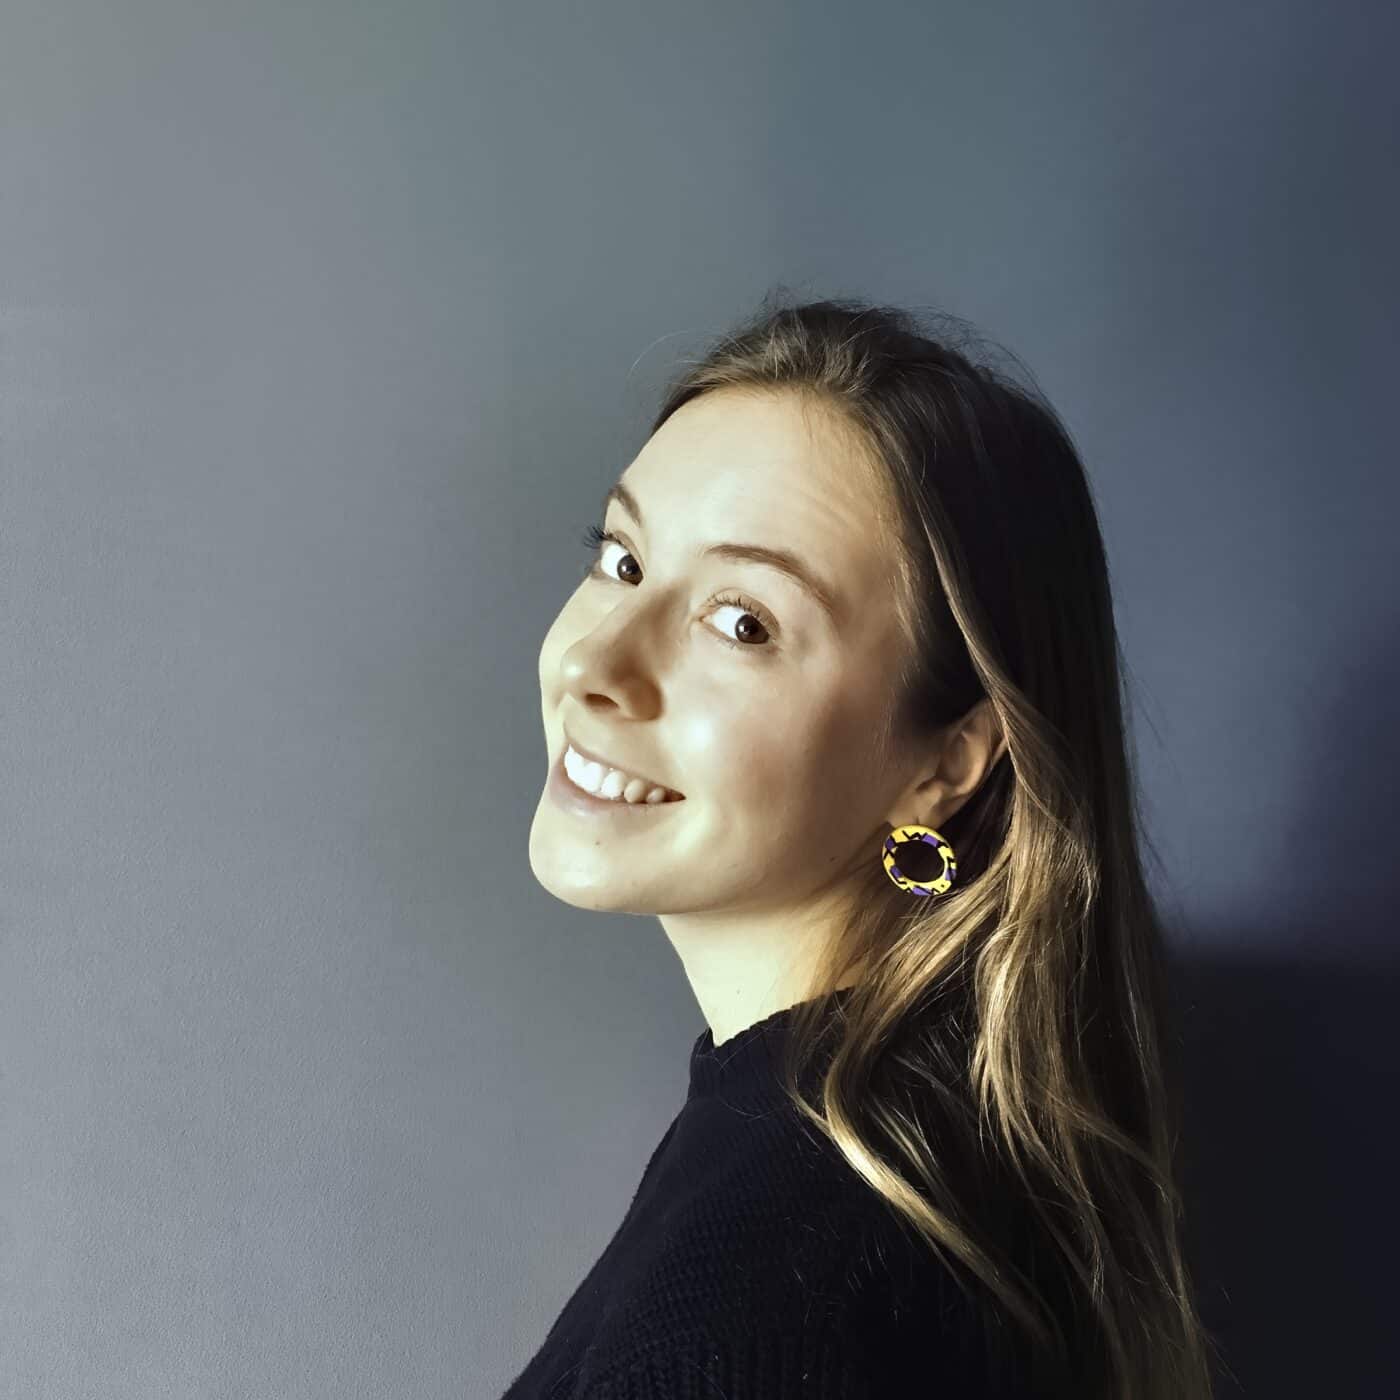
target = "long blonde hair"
x: 1003, y: 1056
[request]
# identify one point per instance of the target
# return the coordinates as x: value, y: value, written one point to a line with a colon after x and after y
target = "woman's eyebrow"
x: 784, y: 560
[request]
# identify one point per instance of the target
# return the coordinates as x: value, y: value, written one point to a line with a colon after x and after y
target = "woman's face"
x: 765, y: 718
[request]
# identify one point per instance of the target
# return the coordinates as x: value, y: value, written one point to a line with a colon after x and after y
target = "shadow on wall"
x: 1290, y: 1170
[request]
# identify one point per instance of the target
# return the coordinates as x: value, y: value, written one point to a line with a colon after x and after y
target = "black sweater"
x: 754, y: 1263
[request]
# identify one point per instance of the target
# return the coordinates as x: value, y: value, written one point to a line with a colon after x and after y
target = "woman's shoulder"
x: 800, y: 1301
x: 779, y: 1251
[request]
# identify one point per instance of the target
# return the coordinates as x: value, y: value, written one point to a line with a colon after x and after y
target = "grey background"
x: 324, y: 326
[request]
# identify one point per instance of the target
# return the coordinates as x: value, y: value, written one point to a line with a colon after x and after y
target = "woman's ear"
x: 963, y: 754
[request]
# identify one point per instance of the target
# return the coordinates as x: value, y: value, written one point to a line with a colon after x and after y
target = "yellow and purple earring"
x: 913, y: 833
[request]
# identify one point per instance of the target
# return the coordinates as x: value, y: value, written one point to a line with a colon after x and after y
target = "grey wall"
x: 322, y: 328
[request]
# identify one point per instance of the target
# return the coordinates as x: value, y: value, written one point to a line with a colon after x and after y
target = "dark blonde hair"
x: 1002, y: 1075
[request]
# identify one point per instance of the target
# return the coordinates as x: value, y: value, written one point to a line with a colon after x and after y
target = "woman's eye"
x: 745, y: 609
x: 595, y: 536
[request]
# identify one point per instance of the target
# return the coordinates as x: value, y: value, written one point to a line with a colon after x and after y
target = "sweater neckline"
x: 749, y: 1062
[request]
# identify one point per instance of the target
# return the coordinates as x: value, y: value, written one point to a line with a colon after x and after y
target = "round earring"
x: 904, y: 835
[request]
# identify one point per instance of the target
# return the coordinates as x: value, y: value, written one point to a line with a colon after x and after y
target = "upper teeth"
x: 611, y: 783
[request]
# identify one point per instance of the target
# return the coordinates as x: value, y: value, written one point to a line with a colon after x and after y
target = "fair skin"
x: 772, y: 742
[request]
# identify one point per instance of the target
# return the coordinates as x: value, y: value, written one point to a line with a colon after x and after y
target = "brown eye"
x: 751, y: 611
x: 594, y: 537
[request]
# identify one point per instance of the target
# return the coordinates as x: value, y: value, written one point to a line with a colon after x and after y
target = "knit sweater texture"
x: 754, y: 1263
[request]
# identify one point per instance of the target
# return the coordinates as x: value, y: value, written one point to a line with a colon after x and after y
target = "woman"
x: 838, y: 701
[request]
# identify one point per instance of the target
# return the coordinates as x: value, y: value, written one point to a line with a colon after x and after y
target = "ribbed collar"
x: 748, y: 1065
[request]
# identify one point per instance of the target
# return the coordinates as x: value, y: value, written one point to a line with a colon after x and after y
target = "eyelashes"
x: 594, y: 537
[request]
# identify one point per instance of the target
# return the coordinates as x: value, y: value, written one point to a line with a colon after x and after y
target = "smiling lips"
x: 601, y: 779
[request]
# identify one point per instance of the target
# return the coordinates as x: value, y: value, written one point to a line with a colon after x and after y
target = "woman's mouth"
x: 612, y: 784
x: 584, y: 786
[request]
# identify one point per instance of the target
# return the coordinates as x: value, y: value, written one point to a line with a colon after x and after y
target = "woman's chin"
x: 588, y: 885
